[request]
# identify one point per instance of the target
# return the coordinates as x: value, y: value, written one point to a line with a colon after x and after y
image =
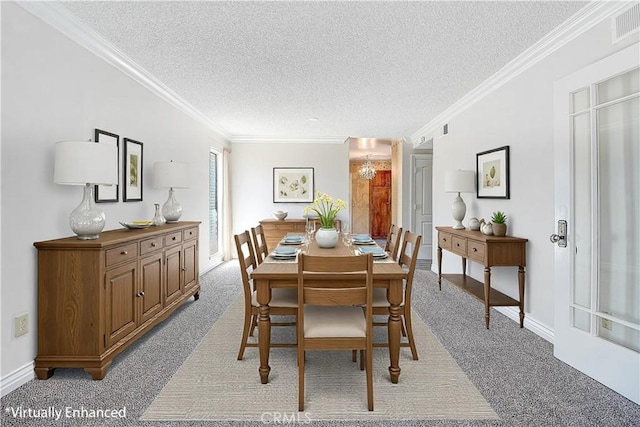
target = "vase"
x: 158, y: 219
x: 327, y: 237
x: 499, y: 230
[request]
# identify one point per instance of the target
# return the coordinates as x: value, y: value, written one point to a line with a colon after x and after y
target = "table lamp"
x: 86, y: 163
x: 459, y: 181
x: 171, y: 175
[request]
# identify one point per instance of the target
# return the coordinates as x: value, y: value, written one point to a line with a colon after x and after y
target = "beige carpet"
x: 212, y: 385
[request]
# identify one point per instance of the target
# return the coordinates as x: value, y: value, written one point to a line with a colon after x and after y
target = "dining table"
x: 274, y: 273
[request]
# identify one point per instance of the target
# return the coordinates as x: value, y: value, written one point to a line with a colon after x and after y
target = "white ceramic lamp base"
x: 458, y: 210
x: 171, y: 210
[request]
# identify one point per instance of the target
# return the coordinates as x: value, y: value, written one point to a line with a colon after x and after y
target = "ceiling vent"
x: 626, y: 23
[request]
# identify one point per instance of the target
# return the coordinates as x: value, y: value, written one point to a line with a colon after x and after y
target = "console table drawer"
x: 444, y: 240
x: 459, y: 245
x: 476, y: 250
x: 121, y: 253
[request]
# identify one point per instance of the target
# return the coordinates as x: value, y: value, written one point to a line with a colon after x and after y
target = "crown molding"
x: 289, y: 139
x: 576, y: 25
x: 57, y: 16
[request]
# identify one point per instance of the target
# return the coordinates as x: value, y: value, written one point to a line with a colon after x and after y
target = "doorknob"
x: 561, y: 237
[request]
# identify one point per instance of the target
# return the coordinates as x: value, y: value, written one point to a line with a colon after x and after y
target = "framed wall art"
x: 492, y: 173
x: 132, y: 171
x: 293, y: 185
x: 108, y: 193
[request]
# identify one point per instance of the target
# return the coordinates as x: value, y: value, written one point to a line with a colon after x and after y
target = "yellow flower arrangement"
x: 327, y: 208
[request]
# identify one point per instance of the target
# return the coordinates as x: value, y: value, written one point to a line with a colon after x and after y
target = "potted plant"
x: 499, y: 220
x: 327, y: 208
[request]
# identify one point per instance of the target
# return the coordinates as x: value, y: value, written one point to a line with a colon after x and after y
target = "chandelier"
x: 366, y: 170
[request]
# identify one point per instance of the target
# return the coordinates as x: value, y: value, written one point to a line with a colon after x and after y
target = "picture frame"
x: 293, y: 185
x: 132, y: 171
x: 492, y: 174
x: 108, y: 193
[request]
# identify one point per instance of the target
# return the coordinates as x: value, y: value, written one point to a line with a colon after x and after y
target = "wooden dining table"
x: 273, y: 274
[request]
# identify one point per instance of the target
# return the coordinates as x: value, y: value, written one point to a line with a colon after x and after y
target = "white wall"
x: 54, y: 90
x: 251, y: 169
x: 519, y: 115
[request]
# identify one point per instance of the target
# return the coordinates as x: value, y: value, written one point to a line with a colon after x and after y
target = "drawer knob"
x: 173, y: 238
x: 444, y: 239
x: 458, y: 244
x: 474, y: 249
x: 184, y: 268
x: 153, y: 244
x: 123, y: 253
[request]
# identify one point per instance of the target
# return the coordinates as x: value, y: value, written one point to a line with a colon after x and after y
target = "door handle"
x: 561, y: 237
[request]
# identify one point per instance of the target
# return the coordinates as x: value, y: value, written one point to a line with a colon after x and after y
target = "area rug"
x: 212, y: 385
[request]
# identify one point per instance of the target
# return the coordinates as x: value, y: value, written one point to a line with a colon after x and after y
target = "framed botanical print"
x: 132, y: 171
x: 108, y: 193
x: 492, y: 173
x: 293, y: 185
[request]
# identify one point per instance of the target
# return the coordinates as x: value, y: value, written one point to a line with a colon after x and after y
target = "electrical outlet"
x: 21, y: 325
x: 606, y: 324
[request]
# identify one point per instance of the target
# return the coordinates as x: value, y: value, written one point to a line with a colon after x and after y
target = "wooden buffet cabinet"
x: 96, y: 297
x: 276, y: 229
x: 490, y: 251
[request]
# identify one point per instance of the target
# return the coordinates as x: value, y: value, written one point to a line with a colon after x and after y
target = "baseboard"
x: 533, y: 325
x: 17, y: 378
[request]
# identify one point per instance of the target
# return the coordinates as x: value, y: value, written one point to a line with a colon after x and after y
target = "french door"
x: 597, y: 212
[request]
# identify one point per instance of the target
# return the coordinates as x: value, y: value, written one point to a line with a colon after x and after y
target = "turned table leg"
x: 394, y: 296
x: 264, y: 329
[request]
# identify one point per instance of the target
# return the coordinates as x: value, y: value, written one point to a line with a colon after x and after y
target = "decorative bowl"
x: 136, y: 224
x: 280, y: 214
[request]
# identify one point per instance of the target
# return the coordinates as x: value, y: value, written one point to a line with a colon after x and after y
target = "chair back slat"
x: 259, y: 243
x: 408, y: 258
x: 335, y: 296
x: 393, y: 241
x: 247, y: 260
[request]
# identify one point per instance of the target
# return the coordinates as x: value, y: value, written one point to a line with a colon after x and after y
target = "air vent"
x: 626, y: 23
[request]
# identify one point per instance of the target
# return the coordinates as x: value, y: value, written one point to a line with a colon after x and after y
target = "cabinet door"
x: 150, y: 286
x: 173, y: 274
x: 190, y: 269
x: 120, y: 284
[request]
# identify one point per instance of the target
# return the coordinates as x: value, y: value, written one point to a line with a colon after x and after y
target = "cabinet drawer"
x: 173, y: 238
x: 190, y: 233
x: 279, y: 228
x: 459, y: 245
x: 121, y: 253
x: 444, y: 240
x: 151, y: 245
x: 476, y: 250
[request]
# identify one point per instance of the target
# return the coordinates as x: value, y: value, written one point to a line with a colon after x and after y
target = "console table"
x: 490, y: 251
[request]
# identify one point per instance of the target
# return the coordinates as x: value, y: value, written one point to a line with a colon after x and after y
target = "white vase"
x: 327, y: 237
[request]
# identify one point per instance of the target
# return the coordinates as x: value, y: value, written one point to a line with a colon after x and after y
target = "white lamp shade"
x: 85, y: 162
x: 460, y: 181
x: 170, y: 175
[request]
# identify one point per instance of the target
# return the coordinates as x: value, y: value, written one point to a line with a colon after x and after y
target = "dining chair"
x: 284, y: 302
x: 407, y: 259
x: 259, y: 243
x: 393, y: 241
x: 330, y: 310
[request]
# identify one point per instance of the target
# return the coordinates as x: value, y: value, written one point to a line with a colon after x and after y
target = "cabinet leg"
x: 196, y: 296
x: 44, y: 373
x: 487, y: 292
x: 98, y: 373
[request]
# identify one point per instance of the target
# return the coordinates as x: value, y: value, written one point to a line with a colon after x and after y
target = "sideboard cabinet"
x: 96, y: 297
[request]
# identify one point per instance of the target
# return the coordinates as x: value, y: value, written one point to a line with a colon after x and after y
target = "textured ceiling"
x: 322, y: 69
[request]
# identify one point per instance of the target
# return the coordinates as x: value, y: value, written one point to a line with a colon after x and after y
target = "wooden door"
x: 173, y: 274
x: 380, y: 202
